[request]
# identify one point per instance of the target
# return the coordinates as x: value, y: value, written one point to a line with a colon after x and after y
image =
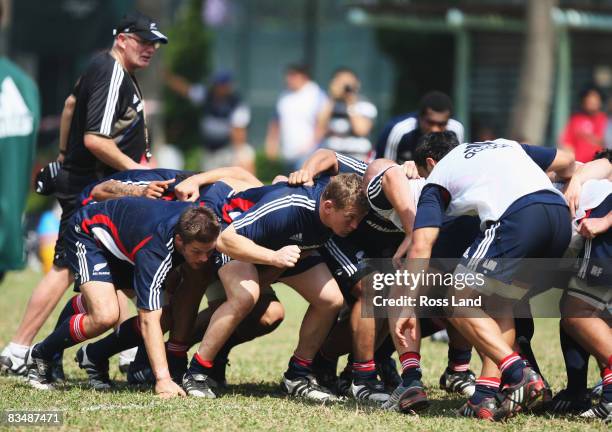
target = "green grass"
x: 254, y: 401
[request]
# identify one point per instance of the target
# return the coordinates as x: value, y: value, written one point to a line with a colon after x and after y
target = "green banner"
x: 19, y: 119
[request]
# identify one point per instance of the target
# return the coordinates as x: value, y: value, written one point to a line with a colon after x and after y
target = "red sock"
x: 176, y: 348
x: 410, y: 360
x: 204, y: 363
x: 77, y: 328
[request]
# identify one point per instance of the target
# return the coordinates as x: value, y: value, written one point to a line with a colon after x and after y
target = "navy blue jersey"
x: 280, y: 215
x: 139, y: 231
x: 401, y: 135
x: 140, y: 177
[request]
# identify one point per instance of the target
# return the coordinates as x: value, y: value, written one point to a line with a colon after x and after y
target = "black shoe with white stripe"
x: 97, y: 372
x: 565, y: 402
x: 39, y: 371
x: 408, y: 399
x: 370, y: 390
x: 487, y: 409
x: 463, y: 383
x: 307, y: 387
x: 140, y: 375
x: 343, y: 383
x: 527, y: 394
x: 603, y: 410
x: 197, y: 385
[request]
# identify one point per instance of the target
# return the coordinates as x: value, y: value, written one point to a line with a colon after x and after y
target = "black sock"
x: 320, y: 362
x: 385, y: 350
x: 576, y: 363
x: 199, y: 365
x: 67, y: 334
x: 298, y: 367
x: 127, y: 335
x: 72, y: 307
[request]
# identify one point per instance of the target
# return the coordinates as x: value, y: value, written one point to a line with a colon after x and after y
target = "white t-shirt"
x: 297, y: 113
x: 484, y: 179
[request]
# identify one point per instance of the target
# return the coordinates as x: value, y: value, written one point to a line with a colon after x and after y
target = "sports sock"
x: 364, y: 371
x: 485, y: 387
x: 606, y: 376
x: 127, y: 335
x: 198, y: 365
x: 511, y: 368
x: 16, y: 350
x: 69, y: 333
x: 321, y: 362
x: 576, y: 361
x: 411, y: 367
x: 75, y: 305
x: 385, y: 350
x: 458, y: 359
x: 298, y: 367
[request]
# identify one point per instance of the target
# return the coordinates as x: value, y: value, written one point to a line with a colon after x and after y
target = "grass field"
x: 254, y: 401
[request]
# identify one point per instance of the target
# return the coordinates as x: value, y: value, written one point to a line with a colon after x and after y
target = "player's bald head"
x: 375, y: 168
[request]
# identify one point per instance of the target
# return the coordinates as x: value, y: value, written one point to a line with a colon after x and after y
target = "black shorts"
x: 68, y: 189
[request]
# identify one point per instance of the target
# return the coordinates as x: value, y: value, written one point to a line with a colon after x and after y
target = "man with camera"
x: 346, y: 121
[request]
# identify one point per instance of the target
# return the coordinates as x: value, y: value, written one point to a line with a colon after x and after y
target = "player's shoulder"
x: 102, y: 68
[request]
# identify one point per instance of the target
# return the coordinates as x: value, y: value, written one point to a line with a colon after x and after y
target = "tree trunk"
x: 531, y: 108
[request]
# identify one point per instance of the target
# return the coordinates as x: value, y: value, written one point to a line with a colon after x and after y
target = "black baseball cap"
x: 141, y: 25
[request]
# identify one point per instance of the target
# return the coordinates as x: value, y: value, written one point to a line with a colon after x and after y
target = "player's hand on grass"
x: 590, y: 228
x: 301, y: 177
x: 410, y: 169
x: 404, y: 326
x: 187, y: 190
x: 156, y: 188
x: 166, y: 388
x: 287, y: 256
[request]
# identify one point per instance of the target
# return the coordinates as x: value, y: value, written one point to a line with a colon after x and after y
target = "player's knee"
x: 243, y: 303
x: 273, y: 316
x: 331, y: 301
x: 106, y: 317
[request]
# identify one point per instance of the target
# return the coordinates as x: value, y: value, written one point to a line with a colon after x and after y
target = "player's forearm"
x: 112, y: 189
x: 154, y: 342
x: 397, y: 190
x: 243, y: 249
x: 594, y: 170
x: 321, y: 161
x: 564, y: 164
x: 217, y: 174
x: 423, y: 240
x: 107, y: 151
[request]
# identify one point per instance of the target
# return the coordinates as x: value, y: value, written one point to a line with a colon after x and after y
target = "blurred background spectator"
x: 401, y: 135
x: 347, y: 118
x: 291, y: 132
x: 584, y: 132
x: 223, y: 122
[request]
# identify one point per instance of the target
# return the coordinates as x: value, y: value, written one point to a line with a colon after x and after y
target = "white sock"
x: 17, y: 350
